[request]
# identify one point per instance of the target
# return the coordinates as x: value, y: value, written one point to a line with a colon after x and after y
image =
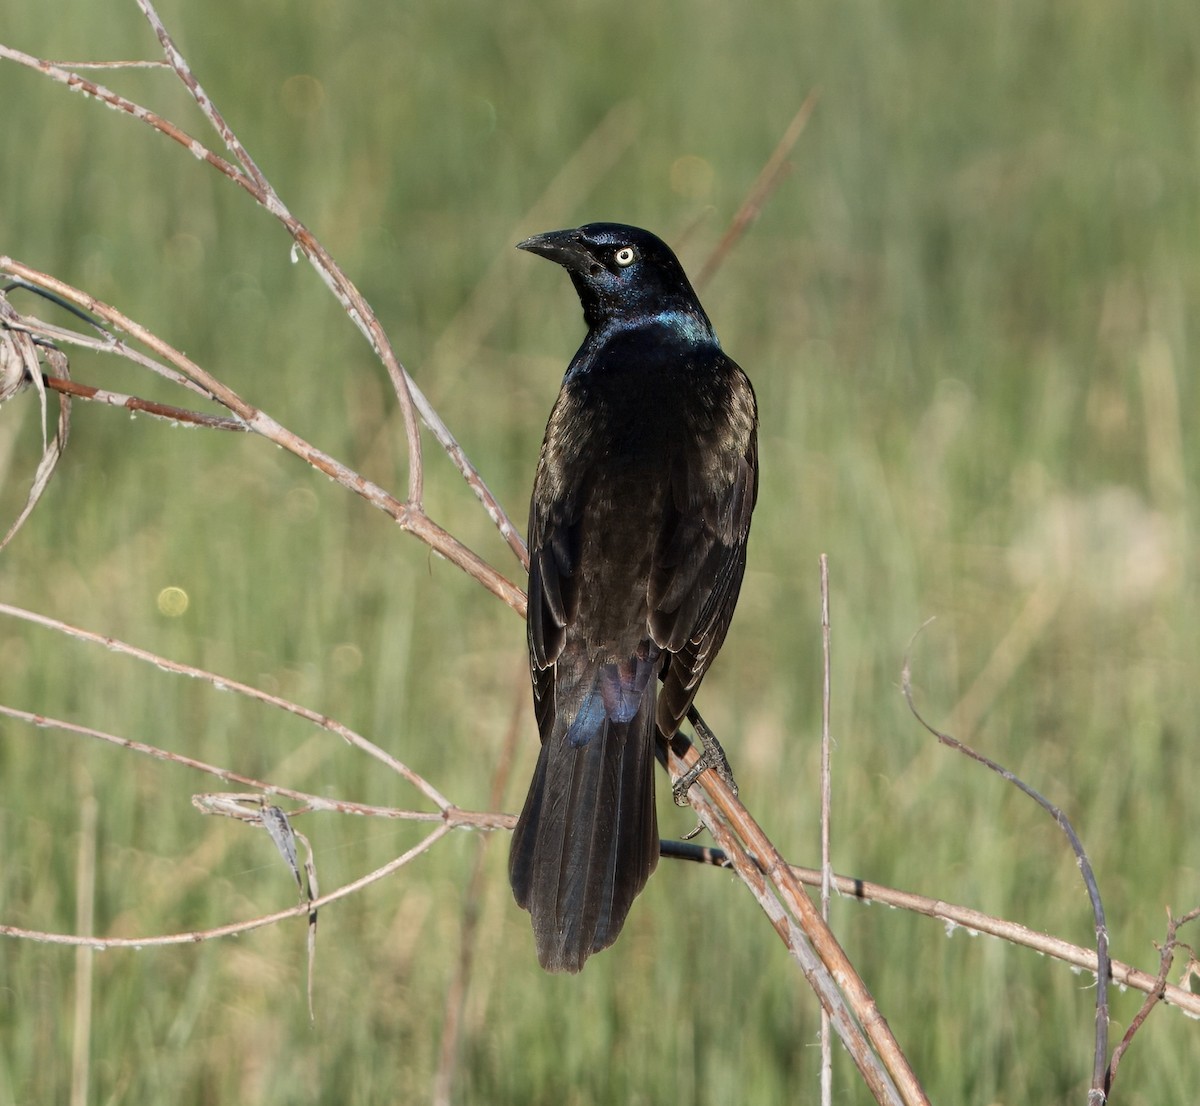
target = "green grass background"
x: 970, y: 313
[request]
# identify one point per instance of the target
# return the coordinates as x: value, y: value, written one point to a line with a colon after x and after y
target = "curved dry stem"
x: 51, y: 338
x: 411, y: 516
x: 311, y: 803
x: 111, y: 99
x: 105, y: 342
x: 500, y: 518
x: 252, y: 180
x: 1103, y: 972
x: 233, y: 928
x: 353, y: 302
x: 223, y: 684
x: 20, y: 367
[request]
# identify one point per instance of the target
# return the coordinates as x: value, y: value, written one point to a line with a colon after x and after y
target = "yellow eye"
x: 624, y: 256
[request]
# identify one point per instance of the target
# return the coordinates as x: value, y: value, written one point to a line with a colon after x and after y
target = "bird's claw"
x: 711, y: 756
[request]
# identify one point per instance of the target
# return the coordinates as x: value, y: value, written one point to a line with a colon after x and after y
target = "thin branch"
x: 221, y: 683
x: 768, y: 179
x: 251, y: 178
x: 255, y: 184
x: 826, y: 816
x: 107, y: 343
x: 410, y: 516
x: 352, y: 300
x: 1155, y: 996
x: 953, y: 917
x: 108, y: 98
x: 138, y: 64
x: 453, y: 816
x: 500, y: 518
x: 1096, y: 1094
x: 85, y: 913
x: 233, y: 929
x: 175, y: 61
x: 468, y: 943
x: 816, y: 971
x: 149, y: 407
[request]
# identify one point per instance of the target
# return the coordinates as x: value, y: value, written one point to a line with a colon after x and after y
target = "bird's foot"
x: 711, y: 756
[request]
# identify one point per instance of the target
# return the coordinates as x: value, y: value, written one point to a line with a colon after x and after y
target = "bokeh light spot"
x: 173, y: 601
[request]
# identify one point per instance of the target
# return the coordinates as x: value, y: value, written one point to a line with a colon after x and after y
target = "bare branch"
x: 352, y: 300
x: 221, y: 683
x: 149, y: 407
x: 175, y: 61
x: 234, y: 928
x: 826, y: 815
x: 800, y: 926
x: 768, y: 179
x: 955, y: 917
x: 119, y: 103
x: 456, y: 991
x: 1103, y: 971
x: 410, y: 516
x: 1156, y: 995
x: 131, y: 64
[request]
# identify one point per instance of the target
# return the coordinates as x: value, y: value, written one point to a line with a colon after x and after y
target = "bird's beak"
x: 561, y: 246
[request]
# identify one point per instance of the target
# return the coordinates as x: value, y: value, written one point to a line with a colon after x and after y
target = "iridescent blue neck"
x: 678, y: 323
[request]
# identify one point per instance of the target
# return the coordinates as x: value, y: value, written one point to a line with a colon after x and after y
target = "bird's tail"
x: 587, y: 839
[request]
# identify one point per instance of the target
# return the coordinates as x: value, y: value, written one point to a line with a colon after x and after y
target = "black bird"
x: 637, y: 545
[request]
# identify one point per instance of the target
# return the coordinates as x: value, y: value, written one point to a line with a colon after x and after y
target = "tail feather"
x: 587, y: 839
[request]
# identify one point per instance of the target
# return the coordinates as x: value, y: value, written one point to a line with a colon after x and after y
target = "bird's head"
x: 623, y: 275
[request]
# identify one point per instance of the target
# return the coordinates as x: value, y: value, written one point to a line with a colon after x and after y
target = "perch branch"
x: 802, y: 930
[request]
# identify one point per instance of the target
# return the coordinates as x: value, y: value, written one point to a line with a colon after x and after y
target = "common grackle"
x: 637, y: 545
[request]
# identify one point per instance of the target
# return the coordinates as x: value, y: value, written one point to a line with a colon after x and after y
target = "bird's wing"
x: 555, y: 533
x: 555, y: 543
x: 553, y: 601
x: 700, y: 555
x: 553, y: 590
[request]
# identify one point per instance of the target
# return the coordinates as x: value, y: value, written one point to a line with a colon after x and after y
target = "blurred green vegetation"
x: 970, y: 315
